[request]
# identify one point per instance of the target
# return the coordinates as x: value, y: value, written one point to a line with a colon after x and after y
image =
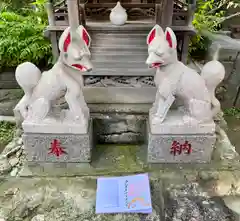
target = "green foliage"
x: 7, y: 131
x: 233, y: 112
x: 209, y: 16
x: 21, y: 37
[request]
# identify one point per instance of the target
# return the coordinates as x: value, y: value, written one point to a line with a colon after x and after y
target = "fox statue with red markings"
x: 175, y: 80
x: 43, y: 89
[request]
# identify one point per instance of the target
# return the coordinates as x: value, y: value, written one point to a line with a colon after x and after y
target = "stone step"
x: 120, y: 71
x: 118, y: 58
x: 119, y: 35
x: 119, y: 41
x: 115, y: 64
x: 123, y: 49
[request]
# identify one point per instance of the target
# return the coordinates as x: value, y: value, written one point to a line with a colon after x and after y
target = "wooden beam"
x: 112, y: 5
x: 107, y: 27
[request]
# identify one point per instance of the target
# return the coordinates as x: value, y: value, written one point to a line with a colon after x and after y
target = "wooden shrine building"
x: 122, y: 50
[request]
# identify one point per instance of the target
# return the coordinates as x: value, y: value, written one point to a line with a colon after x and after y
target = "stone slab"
x: 43, y: 147
x: 173, y: 124
x: 180, y: 148
x: 55, y: 125
x: 116, y: 95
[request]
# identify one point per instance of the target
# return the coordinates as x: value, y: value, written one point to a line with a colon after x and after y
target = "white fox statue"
x: 174, y: 79
x: 41, y: 90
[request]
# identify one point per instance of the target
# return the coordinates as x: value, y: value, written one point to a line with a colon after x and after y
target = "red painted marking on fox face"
x: 152, y: 36
x: 169, y: 39
x: 80, y: 67
x: 85, y: 37
x: 67, y: 42
x: 156, y: 65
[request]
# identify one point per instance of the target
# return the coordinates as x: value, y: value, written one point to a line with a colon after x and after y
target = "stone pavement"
x: 73, y: 199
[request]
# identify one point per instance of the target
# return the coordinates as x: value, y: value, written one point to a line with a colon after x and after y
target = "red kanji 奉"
x: 56, y: 149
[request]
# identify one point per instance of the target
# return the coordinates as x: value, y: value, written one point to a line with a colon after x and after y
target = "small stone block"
x: 180, y: 148
x: 57, y: 148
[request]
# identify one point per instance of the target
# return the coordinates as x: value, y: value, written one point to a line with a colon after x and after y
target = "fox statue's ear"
x: 64, y: 40
x: 84, y: 35
x: 156, y: 31
x: 171, y: 38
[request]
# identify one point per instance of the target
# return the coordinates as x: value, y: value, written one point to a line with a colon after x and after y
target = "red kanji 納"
x: 178, y: 148
x: 56, y: 149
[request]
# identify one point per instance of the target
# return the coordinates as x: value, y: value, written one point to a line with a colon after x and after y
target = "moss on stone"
x: 117, y: 158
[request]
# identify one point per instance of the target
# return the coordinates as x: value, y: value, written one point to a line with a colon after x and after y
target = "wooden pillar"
x: 53, y: 34
x: 186, y: 37
x: 164, y: 12
x: 185, y: 46
x: 73, y: 13
x: 82, y: 14
x: 191, y: 11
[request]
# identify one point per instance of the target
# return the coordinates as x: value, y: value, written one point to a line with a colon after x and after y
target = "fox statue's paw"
x: 38, y: 110
x: 190, y: 120
x: 152, y: 110
x: 156, y: 119
x: 75, y: 119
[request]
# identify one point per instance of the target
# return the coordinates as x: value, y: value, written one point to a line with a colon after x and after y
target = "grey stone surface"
x: 8, y: 100
x: 188, y: 202
x: 60, y: 199
x: 75, y: 147
x: 119, y: 128
x: 230, y: 87
x: 7, y: 80
x: 180, y: 148
x: 173, y: 124
x: 56, y: 123
x: 119, y: 95
x: 73, y: 199
x: 120, y: 108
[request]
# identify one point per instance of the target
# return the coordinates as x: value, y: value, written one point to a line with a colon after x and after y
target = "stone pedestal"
x: 174, y: 142
x: 59, y: 147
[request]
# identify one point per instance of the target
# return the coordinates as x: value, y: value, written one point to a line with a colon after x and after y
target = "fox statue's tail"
x: 213, y: 73
x: 27, y: 76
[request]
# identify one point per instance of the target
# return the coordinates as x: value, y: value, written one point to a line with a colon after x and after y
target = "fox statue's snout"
x: 161, y: 47
x: 154, y: 61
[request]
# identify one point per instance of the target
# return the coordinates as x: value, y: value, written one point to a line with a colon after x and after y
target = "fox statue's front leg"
x: 75, y: 100
x: 163, y: 101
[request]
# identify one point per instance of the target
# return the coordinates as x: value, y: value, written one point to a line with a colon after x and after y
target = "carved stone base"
x: 59, y: 122
x: 57, y: 148
x: 181, y: 148
x: 177, y: 122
